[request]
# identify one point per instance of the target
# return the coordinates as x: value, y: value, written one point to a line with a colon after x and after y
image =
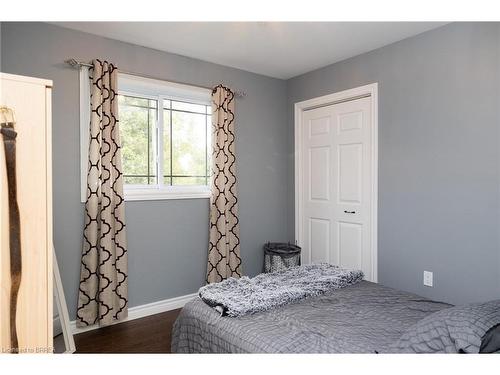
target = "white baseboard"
x: 141, y: 311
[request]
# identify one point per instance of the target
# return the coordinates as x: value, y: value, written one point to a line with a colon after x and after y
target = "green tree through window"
x: 182, y: 148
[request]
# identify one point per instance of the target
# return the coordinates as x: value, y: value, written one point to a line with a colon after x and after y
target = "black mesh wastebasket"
x: 279, y: 256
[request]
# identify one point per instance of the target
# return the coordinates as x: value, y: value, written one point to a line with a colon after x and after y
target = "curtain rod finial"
x: 71, y: 62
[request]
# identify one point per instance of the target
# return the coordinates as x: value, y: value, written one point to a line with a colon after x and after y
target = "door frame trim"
x: 341, y: 96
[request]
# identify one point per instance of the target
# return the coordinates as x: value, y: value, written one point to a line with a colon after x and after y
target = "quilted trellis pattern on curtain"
x: 103, y: 278
x: 224, y: 245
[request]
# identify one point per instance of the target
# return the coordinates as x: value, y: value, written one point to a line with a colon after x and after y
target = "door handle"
x: 349, y: 212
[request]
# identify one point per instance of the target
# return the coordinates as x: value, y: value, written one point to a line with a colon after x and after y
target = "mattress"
x: 362, y: 318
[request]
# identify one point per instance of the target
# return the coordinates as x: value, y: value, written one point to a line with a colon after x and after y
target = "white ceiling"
x: 276, y: 49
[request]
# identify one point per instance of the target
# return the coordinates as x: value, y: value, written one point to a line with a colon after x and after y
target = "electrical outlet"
x: 428, y: 276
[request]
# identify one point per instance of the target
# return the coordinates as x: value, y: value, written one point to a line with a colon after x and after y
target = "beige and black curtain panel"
x: 224, y: 259
x: 103, y: 278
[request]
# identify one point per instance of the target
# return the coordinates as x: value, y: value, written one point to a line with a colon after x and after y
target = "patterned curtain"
x: 224, y: 246
x: 103, y: 278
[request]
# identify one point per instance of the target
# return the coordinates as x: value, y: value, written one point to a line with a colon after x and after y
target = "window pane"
x: 189, y: 144
x: 209, y: 109
x: 189, y: 181
x: 166, y: 147
x: 138, y: 137
x: 166, y: 103
x: 131, y: 100
x: 182, y: 106
x: 135, y: 180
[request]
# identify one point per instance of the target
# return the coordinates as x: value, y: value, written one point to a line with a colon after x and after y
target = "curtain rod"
x: 78, y: 64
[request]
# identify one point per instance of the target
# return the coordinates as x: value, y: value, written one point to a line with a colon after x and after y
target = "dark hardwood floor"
x: 151, y: 334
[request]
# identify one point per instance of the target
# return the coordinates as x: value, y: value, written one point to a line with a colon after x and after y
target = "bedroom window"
x: 164, y: 144
x: 165, y: 135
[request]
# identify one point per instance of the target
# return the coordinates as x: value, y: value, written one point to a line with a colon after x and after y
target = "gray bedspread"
x: 242, y: 296
x: 362, y: 318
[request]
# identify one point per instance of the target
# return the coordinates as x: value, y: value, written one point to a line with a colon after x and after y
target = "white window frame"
x: 143, y: 88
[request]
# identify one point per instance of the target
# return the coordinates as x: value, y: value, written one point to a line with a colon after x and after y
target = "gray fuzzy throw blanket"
x: 238, y: 297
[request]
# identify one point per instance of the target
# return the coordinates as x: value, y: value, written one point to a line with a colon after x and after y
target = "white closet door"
x: 336, y: 185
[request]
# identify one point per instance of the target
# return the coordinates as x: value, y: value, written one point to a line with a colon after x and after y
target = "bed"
x: 361, y: 318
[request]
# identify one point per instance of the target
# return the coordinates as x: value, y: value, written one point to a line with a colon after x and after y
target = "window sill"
x: 165, y: 194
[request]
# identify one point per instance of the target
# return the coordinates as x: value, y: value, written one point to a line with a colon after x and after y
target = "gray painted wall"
x: 439, y: 165
x: 167, y: 239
